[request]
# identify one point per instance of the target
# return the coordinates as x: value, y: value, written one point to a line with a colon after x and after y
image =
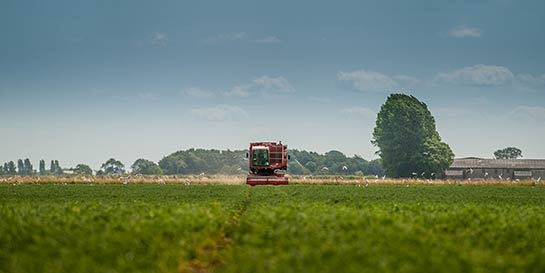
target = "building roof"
x: 481, y: 163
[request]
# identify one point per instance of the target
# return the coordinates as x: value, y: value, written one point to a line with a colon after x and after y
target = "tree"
x: 11, y: 168
x: 20, y: 167
x: 55, y: 168
x: 27, y: 167
x: 144, y: 166
x: 82, y: 169
x: 112, y: 166
x: 42, y: 167
x: 52, y: 167
x: 407, y: 139
x: 508, y: 153
x: 2, y: 170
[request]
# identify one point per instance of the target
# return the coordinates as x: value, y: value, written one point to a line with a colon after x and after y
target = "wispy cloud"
x: 268, y: 40
x: 359, y: 111
x: 371, y: 81
x: 159, y: 39
x: 219, y: 113
x: 465, y: 32
x: 197, y: 92
x: 526, y: 82
x: 230, y: 36
x: 480, y: 75
x: 264, y: 85
x: 528, y: 113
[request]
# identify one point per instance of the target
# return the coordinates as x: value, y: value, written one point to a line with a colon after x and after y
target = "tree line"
x: 24, y: 167
x: 210, y: 161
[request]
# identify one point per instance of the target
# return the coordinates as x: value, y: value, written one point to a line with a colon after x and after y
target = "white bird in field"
x: 376, y: 176
x: 201, y: 174
x: 470, y: 170
x: 414, y: 174
x: 500, y: 176
x: 539, y: 179
x: 125, y: 180
x: 384, y: 177
x: 239, y: 168
x: 366, y: 184
x: 345, y: 168
x: 325, y: 169
x: 485, y: 174
x: 422, y: 174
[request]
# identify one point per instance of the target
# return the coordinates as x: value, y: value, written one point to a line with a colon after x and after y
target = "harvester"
x: 268, y: 164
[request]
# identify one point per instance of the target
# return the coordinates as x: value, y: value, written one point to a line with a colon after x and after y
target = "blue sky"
x: 83, y: 81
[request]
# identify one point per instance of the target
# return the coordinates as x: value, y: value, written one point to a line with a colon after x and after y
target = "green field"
x: 297, y: 228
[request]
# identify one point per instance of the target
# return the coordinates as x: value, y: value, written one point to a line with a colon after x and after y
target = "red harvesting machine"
x: 268, y: 164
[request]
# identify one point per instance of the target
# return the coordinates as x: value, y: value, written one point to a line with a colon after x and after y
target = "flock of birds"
x: 187, y: 181
x: 500, y: 177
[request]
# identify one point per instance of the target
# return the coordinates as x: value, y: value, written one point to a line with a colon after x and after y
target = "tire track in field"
x: 210, y: 255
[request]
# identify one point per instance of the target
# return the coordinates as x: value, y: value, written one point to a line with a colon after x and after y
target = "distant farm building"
x: 483, y: 168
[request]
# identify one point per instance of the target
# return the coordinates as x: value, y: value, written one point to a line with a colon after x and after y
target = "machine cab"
x: 260, y: 156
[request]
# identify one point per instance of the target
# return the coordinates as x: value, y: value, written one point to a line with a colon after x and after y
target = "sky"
x: 84, y: 81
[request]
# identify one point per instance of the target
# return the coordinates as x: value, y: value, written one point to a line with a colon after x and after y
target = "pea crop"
x: 295, y: 228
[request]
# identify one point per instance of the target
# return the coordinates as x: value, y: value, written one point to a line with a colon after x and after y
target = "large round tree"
x: 407, y: 139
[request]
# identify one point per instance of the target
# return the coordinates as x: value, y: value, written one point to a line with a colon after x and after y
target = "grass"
x: 296, y: 228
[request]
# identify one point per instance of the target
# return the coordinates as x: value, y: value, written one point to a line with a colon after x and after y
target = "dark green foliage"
x: 196, y: 161
x: 55, y: 168
x: 508, y: 153
x: 10, y: 168
x: 112, y: 166
x: 202, y: 161
x: 82, y: 169
x: 296, y: 228
x: 42, y: 167
x: 143, y: 166
x: 20, y: 167
x: 407, y: 139
x: 28, y: 169
x: 332, y: 162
